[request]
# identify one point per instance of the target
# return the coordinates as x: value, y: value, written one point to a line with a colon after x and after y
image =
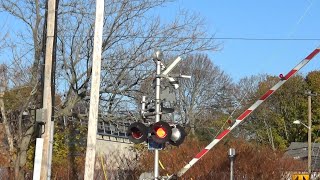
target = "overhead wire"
x: 207, y: 38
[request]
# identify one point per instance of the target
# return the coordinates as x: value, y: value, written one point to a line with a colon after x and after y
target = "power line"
x: 271, y: 39
x: 204, y: 38
x: 212, y: 38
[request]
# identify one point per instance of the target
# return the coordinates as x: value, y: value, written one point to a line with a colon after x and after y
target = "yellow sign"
x: 300, y: 177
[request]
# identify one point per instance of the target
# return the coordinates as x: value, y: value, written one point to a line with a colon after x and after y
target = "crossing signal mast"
x: 159, y: 133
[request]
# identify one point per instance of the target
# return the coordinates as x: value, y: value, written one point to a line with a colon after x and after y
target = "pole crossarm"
x: 247, y: 112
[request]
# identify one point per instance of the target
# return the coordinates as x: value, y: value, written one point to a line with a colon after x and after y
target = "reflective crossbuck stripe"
x: 247, y: 112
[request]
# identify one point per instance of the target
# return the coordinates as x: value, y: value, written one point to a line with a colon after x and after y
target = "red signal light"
x: 161, y: 132
x: 137, y: 132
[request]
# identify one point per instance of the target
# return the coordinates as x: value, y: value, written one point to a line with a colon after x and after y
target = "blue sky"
x: 256, y: 20
x: 259, y: 20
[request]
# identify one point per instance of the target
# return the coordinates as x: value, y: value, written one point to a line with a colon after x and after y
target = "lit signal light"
x: 160, y: 132
x: 137, y: 132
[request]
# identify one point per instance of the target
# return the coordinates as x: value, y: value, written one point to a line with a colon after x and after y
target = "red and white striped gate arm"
x: 247, y: 112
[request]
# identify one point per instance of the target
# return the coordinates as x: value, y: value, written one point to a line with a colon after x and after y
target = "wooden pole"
x: 47, y: 96
x: 309, y: 93
x: 94, y: 93
x: 309, y: 135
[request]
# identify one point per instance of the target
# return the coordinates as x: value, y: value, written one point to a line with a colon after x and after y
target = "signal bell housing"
x: 178, y: 135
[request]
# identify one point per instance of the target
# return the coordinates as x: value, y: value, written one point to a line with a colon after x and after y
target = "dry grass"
x: 252, y: 161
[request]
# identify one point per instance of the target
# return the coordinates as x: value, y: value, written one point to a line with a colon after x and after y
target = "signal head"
x: 160, y: 132
x: 137, y: 132
x: 178, y: 135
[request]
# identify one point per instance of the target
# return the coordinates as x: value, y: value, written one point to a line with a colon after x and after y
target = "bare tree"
x: 19, y: 128
x: 23, y: 67
x: 245, y: 94
x: 3, y: 87
x: 209, y: 90
x: 3, y: 38
x: 130, y: 36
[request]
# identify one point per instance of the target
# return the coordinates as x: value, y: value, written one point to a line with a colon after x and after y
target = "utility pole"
x: 94, y: 93
x: 309, y: 131
x: 47, y: 96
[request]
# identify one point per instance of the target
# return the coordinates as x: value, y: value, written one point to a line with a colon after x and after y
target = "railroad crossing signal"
x: 160, y: 132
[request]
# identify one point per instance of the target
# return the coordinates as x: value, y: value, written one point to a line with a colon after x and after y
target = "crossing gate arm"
x: 247, y: 112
